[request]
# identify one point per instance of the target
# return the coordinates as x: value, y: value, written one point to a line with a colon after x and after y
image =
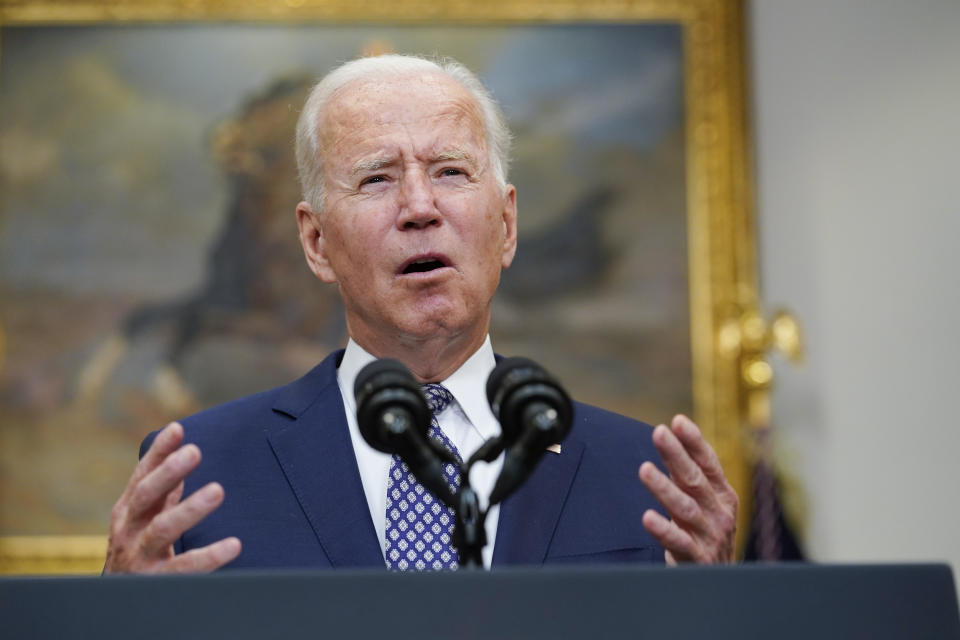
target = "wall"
x: 857, y: 129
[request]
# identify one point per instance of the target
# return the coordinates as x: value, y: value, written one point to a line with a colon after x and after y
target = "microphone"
x: 393, y: 417
x: 534, y: 412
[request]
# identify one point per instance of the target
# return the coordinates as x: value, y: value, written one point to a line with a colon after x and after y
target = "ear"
x: 509, y: 226
x: 312, y: 240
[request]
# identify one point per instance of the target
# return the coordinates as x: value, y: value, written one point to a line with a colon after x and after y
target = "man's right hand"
x: 149, y: 516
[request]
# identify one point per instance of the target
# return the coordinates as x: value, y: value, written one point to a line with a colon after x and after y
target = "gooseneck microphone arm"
x: 534, y: 412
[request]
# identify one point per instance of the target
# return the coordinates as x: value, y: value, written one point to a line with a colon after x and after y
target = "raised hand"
x: 701, y: 503
x: 149, y: 516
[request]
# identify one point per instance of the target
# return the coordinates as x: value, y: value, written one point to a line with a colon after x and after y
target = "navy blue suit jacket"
x: 295, y: 499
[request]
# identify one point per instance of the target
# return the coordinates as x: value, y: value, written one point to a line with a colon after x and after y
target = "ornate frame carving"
x: 721, y: 245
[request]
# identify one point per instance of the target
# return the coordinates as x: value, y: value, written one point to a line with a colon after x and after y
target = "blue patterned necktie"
x: 419, y: 526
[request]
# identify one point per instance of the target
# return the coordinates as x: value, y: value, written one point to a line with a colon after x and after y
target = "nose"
x: 418, y: 207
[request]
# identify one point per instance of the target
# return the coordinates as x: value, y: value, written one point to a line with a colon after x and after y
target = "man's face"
x: 415, y: 228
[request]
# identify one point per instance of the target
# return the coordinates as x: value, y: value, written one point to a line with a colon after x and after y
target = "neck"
x: 430, y: 359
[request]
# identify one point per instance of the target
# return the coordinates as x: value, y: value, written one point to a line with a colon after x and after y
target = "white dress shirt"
x: 468, y: 422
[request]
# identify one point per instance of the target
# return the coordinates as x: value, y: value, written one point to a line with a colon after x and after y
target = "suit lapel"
x: 529, y: 517
x: 317, y: 458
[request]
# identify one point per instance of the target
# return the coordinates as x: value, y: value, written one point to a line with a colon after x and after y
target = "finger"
x: 681, y: 506
x: 706, y: 457
x: 204, y: 559
x: 671, y: 537
x: 150, y: 493
x: 168, y: 525
x: 174, y: 496
x: 684, y: 471
x: 698, y: 448
x: 166, y: 442
x: 669, y: 559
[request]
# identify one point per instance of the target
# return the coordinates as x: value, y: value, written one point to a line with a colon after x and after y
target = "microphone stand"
x: 469, y: 532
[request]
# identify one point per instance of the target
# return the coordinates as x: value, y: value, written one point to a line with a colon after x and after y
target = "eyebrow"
x: 453, y: 154
x: 379, y: 162
x: 371, y: 164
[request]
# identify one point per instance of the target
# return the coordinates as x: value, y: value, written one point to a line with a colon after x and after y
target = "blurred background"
x: 856, y: 118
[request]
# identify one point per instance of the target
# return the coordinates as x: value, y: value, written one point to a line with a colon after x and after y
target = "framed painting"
x: 149, y: 264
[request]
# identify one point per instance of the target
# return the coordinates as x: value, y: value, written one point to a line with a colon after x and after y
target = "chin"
x: 448, y: 321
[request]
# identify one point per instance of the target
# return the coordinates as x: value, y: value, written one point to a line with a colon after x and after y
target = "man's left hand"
x: 701, y: 503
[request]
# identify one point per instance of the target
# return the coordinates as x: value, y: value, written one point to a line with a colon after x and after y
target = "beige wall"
x: 857, y: 130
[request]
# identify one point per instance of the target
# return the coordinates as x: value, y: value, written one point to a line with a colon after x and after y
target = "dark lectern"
x: 804, y: 601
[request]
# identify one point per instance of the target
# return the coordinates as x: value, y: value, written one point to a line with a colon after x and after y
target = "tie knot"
x: 437, y: 397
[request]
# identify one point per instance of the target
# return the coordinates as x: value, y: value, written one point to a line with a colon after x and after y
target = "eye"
x: 451, y: 172
x: 373, y: 180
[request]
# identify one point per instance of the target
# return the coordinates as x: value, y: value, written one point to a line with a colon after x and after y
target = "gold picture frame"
x: 720, y: 235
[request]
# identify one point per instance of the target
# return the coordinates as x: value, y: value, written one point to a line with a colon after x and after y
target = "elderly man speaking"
x: 407, y: 209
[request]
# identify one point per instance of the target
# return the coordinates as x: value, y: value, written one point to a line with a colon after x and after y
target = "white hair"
x: 309, y: 161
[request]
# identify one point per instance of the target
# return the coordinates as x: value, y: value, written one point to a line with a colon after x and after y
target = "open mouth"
x: 422, y: 265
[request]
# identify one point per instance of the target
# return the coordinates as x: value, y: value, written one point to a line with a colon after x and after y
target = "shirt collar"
x: 467, y: 384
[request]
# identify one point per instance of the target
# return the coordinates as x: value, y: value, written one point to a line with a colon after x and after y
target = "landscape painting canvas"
x: 149, y: 259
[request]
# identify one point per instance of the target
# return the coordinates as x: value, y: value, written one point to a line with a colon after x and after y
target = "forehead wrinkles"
x: 379, y: 107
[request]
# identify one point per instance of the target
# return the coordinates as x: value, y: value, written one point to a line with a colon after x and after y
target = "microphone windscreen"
x: 519, y: 385
x: 386, y: 390
x: 385, y: 370
x: 517, y: 369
